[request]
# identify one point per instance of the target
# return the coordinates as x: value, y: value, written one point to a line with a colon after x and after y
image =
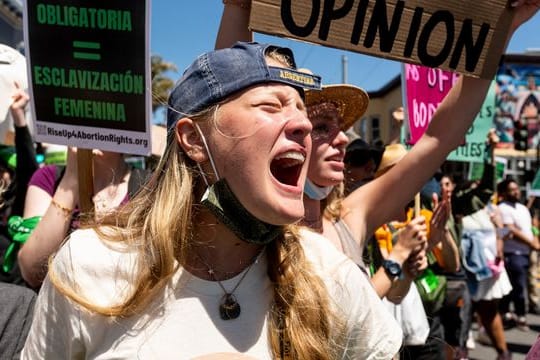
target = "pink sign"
x: 425, y: 90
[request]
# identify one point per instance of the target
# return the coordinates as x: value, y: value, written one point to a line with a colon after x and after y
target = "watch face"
x: 392, y: 267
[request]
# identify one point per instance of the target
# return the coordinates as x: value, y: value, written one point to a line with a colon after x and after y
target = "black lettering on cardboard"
x: 413, y: 31
x: 291, y: 26
x: 359, y: 21
x: 329, y: 14
x: 441, y: 16
x: 473, y: 49
x: 379, y: 21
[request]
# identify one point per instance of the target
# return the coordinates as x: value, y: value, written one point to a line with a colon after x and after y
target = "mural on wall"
x: 517, y: 115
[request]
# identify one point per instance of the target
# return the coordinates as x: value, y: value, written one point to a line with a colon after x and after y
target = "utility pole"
x: 344, y: 63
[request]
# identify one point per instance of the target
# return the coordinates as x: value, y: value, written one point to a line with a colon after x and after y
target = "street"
x: 519, y: 342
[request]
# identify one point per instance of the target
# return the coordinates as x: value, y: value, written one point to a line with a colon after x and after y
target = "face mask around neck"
x: 315, y: 192
x: 225, y: 206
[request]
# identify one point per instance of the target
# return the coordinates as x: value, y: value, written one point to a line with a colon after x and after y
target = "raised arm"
x: 54, y: 225
x: 378, y: 201
x: 24, y: 148
x: 234, y: 23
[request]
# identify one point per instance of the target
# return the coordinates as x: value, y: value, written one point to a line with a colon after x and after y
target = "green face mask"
x: 221, y: 201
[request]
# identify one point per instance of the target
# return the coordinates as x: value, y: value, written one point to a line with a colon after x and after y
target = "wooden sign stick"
x: 86, y: 181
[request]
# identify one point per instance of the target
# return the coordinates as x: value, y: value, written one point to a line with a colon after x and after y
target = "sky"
x: 181, y: 30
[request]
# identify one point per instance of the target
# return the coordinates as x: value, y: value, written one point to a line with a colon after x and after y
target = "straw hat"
x: 351, y: 100
x: 392, y: 154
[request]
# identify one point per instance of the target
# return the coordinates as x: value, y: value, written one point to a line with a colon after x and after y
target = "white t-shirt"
x: 519, y: 215
x: 184, y: 322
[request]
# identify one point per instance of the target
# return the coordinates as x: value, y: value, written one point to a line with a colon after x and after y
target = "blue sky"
x: 181, y: 30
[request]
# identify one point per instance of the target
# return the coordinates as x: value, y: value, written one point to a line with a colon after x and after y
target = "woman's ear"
x: 190, y: 140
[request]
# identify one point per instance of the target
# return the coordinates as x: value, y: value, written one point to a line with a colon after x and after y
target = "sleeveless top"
x: 348, y: 243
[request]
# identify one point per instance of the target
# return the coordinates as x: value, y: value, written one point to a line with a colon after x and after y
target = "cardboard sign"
x: 463, y: 36
x: 88, y: 65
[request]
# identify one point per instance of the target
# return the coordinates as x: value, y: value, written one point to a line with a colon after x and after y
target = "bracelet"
x: 65, y: 210
x: 240, y: 3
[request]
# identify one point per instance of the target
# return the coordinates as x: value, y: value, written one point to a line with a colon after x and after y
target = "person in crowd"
x: 488, y: 280
x: 16, y: 308
x: 17, y: 304
x: 53, y: 195
x: 482, y: 243
x: 441, y: 251
x: 474, y: 214
x: 518, y: 243
x: 15, y: 194
x: 332, y: 111
x: 205, y: 250
x: 456, y: 312
x: 361, y: 161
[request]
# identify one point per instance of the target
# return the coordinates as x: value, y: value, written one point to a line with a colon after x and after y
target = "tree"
x: 161, y: 84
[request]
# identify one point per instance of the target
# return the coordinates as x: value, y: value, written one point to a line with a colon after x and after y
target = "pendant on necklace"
x: 229, y: 308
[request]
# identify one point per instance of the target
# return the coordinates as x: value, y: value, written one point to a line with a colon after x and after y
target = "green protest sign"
x: 89, y: 72
x: 476, y: 169
x: 475, y: 140
x: 534, y: 190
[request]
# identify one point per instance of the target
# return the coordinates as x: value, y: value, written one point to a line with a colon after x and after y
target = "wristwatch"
x: 392, y: 268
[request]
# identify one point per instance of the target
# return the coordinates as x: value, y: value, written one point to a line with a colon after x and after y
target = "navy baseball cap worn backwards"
x: 215, y: 75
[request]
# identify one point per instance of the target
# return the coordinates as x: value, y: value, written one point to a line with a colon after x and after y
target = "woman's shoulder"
x: 334, y: 267
x: 102, y: 271
x: 45, y: 178
x: 320, y: 250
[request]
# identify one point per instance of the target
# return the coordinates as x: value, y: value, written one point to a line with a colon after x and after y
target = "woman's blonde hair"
x: 157, y: 222
x: 332, y: 206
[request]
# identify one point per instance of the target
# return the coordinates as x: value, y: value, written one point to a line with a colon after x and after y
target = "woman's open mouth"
x: 287, y: 166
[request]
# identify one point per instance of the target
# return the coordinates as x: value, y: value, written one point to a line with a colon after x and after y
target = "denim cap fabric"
x: 215, y: 75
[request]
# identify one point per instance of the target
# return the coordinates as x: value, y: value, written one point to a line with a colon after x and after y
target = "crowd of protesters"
x: 264, y: 232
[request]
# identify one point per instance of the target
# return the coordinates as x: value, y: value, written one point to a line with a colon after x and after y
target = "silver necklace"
x: 229, y: 308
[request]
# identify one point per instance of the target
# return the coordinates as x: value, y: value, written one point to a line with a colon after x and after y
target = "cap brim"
x: 352, y: 101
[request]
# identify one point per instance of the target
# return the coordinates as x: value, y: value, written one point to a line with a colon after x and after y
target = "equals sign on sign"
x: 86, y: 50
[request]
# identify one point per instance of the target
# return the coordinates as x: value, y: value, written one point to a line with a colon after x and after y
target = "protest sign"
x: 476, y: 169
x: 88, y: 64
x: 425, y: 88
x: 475, y: 140
x: 463, y: 36
x: 534, y: 189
